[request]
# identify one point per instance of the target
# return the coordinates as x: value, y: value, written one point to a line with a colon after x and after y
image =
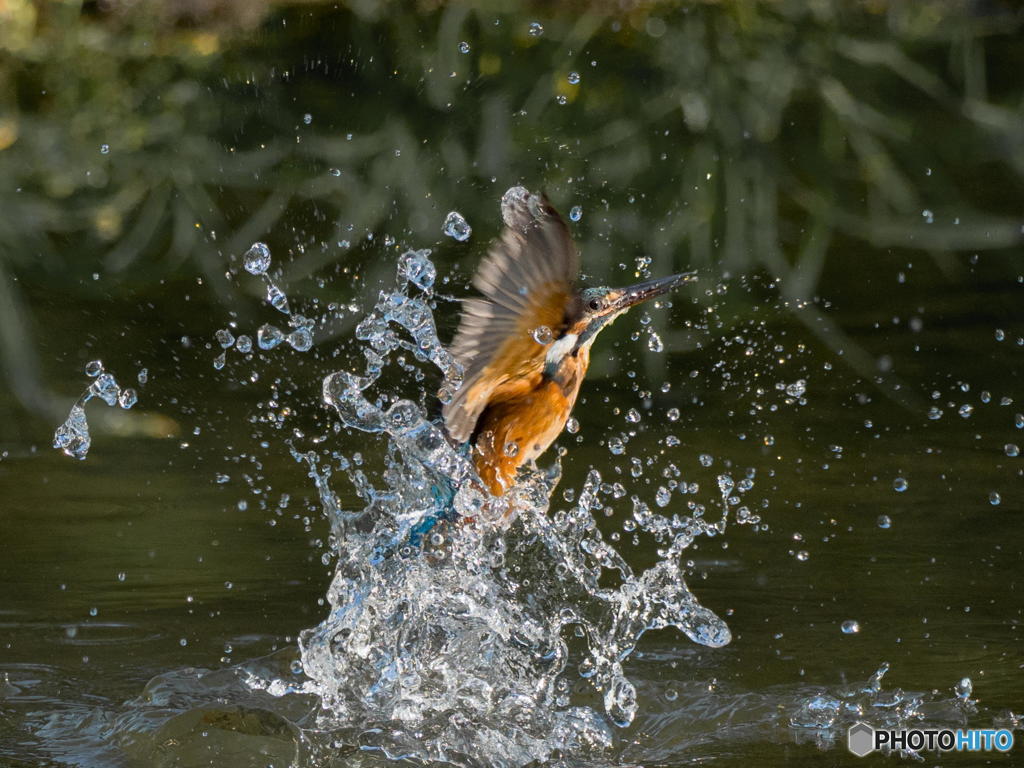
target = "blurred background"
x: 848, y: 178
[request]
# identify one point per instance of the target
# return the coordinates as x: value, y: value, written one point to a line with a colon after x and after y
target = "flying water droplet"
x: 224, y: 338
x: 884, y: 521
x: 850, y: 627
x: 1011, y: 450
x: 127, y: 398
x: 654, y: 342
x: 269, y: 336
x: 574, y: 78
x: 536, y: 29
x: 301, y: 339
x: 572, y: 426
x: 995, y: 499
x: 543, y: 335
x: 511, y: 449
x: 900, y: 484
x: 797, y: 388
x: 576, y: 213
x: 463, y: 47
x: 244, y: 344
x: 105, y: 387
x: 72, y: 437
x: 418, y: 269
x: 277, y: 299
x: 257, y: 259
x: 457, y: 227
x: 93, y: 368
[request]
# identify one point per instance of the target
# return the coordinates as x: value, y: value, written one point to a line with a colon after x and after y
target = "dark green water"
x: 848, y: 183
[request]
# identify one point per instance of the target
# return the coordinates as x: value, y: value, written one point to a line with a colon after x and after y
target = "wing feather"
x: 526, y: 280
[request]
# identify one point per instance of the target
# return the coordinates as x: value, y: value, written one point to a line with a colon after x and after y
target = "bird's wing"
x: 527, y: 281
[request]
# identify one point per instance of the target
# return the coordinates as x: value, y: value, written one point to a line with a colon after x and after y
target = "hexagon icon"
x: 860, y: 739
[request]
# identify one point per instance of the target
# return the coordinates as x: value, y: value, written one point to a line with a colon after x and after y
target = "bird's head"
x: 598, y: 307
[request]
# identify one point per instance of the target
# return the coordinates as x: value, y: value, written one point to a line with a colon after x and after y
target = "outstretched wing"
x: 527, y: 281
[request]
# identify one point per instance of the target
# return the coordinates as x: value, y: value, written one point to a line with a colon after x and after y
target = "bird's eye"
x: 595, y: 304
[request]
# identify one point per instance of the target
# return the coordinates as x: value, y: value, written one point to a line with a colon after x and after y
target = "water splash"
x: 461, y: 624
x: 72, y: 437
x: 829, y: 712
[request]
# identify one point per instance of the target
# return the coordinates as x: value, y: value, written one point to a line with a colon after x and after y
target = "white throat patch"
x: 561, y: 348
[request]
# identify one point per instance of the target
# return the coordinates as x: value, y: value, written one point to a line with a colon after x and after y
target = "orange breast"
x: 522, y: 421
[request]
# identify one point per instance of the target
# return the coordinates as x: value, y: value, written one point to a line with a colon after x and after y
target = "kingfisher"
x: 525, y: 345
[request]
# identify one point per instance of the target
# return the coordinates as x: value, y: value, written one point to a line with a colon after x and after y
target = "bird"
x: 524, y: 345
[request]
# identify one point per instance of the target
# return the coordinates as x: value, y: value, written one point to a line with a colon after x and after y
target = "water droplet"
x: 572, y: 426
x: 654, y: 343
x: 269, y: 336
x: 574, y: 78
x: 105, y: 387
x: 1011, y: 450
x: 224, y: 338
x: 965, y: 410
x: 797, y: 388
x: 418, y: 269
x: 673, y: 414
x: 104, y: 149
x: 769, y: 440
x: 72, y: 437
x: 543, y: 335
x: 706, y: 460
x: 463, y: 47
x: 244, y: 344
x: 307, y: 118
x: 616, y: 446
x: 536, y: 29
x: 995, y: 499
x: 884, y: 521
x: 456, y: 226
x: 511, y: 449
x: 219, y: 361
x: 562, y: 99
x: 257, y: 259
x: 850, y: 627
x: 301, y: 340
x: 576, y: 213
x: 1000, y: 334
x: 900, y: 484
x: 277, y: 299
x: 334, y: 171
x: 803, y: 555
x: 964, y: 688
x: 633, y: 416
x: 94, y: 368
x: 127, y: 398
x: 934, y: 413
x: 663, y: 496
x: 143, y: 376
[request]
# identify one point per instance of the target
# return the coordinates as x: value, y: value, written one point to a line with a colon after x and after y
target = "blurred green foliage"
x: 154, y: 140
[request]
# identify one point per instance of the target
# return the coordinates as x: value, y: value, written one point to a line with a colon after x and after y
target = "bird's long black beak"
x: 649, y: 289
